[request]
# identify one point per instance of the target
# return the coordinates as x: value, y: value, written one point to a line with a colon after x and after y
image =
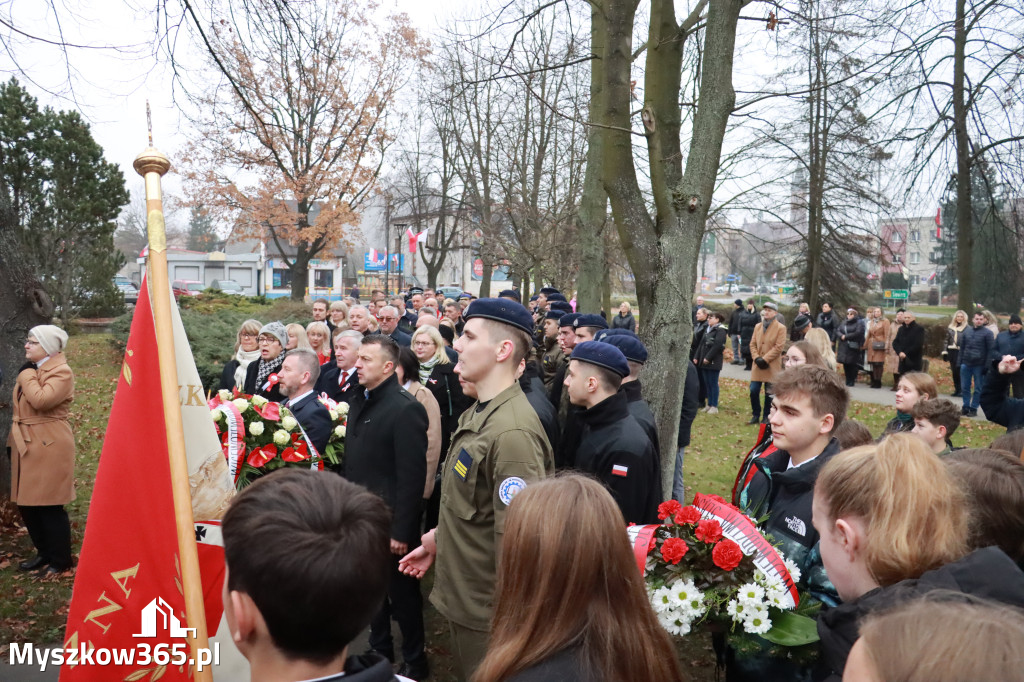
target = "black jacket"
x: 910, y: 340
x: 785, y: 495
x: 227, y: 376
x: 250, y: 387
x: 748, y: 322
x: 564, y: 666
x: 998, y: 406
x: 401, y: 338
x: 1008, y: 343
x: 691, y: 389
x: 850, y: 352
x: 736, y: 321
x: 364, y: 668
x: 386, y: 451
x: 533, y: 387
x: 641, y: 411
x: 698, y: 337
x: 712, y: 347
x: 312, y: 415
x: 349, y: 391
x: 976, y: 347
x: 444, y: 385
x: 626, y: 321
x: 615, y: 449
x: 987, y: 573
x: 827, y: 321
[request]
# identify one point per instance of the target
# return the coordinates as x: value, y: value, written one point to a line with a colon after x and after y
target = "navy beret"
x: 569, y: 319
x: 534, y: 297
x: 590, y: 320
x: 547, y: 291
x: 561, y: 306
x: 465, y: 294
x: 501, y: 310
x: 510, y: 293
x: 605, y: 333
x: 557, y: 297
x: 603, y: 355
x: 630, y: 346
x: 555, y: 315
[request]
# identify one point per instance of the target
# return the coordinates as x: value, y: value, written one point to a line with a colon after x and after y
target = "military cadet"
x: 586, y: 326
x: 551, y: 356
x: 636, y: 355
x: 498, y: 448
x: 613, y: 446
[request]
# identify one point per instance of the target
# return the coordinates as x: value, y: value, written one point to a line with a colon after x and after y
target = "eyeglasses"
x: 30, y: 342
x: 388, y: 319
x: 247, y: 335
x: 269, y: 339
x: 424, y: 343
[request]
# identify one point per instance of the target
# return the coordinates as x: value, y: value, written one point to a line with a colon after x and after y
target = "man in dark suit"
x: 298, y: 376
x: 389, y: 317
x: 386, y: 451
x: 339, y: 379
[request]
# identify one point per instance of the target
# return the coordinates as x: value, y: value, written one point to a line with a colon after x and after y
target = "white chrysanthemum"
x: 282, y: 437
x: 757, y: 623
x: 224, y: 394
x: 750, y: 593
x: 662, y: 600
x: 334, y: 415
x: 256, y: 428
x: 342, y: 409
x: 736, y: 609
x: 288, y: 423
x: 241, y: 403
x: 217, y: 414
x: 339, y: 431
x: 689, y: 597
x: 794, y: 570
x: 777, y: 597
x: 675, y: 623
x: 259, y: 401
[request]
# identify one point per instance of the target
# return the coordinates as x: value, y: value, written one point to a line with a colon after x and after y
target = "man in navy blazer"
x: 339, y: 379
x: 389, y: 318
x: 298, y: 375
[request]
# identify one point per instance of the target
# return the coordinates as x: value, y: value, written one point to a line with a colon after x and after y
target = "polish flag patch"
x: 619, y: 470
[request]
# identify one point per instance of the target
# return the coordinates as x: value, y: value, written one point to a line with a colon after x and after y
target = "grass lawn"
x: 34, y: 609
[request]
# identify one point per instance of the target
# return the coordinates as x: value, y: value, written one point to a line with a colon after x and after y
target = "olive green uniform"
x: 550, y: 360
x: 494, y: 452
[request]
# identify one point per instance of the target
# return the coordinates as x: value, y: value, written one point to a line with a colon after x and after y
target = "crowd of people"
x: 504, y: 445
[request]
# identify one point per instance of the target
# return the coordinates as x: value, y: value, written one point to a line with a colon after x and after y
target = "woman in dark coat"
x: 247, y: 350
x: 748, y: 322
x: 851, y: 335
x: 625, y: 319
x: 261, y: 377
x: 709, y: 358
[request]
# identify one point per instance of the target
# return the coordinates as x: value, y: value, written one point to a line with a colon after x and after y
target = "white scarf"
x: 244, y: 357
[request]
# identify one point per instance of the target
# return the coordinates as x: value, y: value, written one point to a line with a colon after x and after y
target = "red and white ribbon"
x: 234, y: 438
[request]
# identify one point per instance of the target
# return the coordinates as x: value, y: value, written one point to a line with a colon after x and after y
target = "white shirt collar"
x: 40, y: 363
x: 296, y: 399
x: 794, y: 466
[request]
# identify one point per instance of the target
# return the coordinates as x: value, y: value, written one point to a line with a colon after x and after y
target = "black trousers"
x: 404, y: 603
x: 850, y: 369
x: 50, y: 530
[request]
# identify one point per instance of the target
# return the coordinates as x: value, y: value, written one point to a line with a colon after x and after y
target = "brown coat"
x: 877, y: 331
x: 892, y: 360
x: 770, y: 346
x: 41, y: 442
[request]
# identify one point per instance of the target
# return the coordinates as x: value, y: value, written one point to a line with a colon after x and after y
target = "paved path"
x: 860, y: 392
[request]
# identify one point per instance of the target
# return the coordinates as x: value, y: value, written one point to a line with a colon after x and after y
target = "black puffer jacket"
x: 976, y: 346
x: 615, y: 449
x: 748, y: 322
x: 987, y: 573
x: 786, y: 496
x: 641, y: 411
x: 712, y: 347
x: 850, y: 348
x: 444, y: 385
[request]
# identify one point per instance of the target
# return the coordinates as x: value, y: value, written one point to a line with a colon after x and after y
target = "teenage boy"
x: 308, y: 562
x: 934, y: 422
x: 809, y: 404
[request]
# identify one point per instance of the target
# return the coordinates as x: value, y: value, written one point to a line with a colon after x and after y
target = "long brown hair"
x: 568, y: 579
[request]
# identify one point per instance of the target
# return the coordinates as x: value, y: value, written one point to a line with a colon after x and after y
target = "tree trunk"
x: 663, y: 252
x: 593, y: 211
x: 485, y: 279
x: 23, y: 305
x: 300, y: 274
x: 964, y: 212
x: 606, y: 294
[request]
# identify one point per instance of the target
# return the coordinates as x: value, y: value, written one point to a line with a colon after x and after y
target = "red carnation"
x: 708, y: 530
x: 688, y: 514
x: 667, y: 509
x: 727, y: 555
x: 673, y: 550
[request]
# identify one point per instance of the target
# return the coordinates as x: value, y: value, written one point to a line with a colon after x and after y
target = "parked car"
x: 450, y: 292
x: 227, y: 286
x: 187, y: 287
x: 128, y: 288
x: 745, y: 289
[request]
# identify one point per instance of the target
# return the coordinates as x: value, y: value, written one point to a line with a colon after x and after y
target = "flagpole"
x: 151, y: 165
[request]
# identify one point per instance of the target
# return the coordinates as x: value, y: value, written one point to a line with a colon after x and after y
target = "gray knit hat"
x: 276, y: 329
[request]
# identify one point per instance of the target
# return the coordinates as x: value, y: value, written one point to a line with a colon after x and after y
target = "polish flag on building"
x: 129, y: 568
x: 415, y: 238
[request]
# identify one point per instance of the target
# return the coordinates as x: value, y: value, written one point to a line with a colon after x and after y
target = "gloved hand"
x: 27, y: 365
x: 762, y: 363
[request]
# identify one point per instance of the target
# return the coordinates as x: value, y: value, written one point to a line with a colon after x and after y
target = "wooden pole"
x: 151, y: 165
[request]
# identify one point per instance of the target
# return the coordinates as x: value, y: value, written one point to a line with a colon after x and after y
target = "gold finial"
x: 151, y: 160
